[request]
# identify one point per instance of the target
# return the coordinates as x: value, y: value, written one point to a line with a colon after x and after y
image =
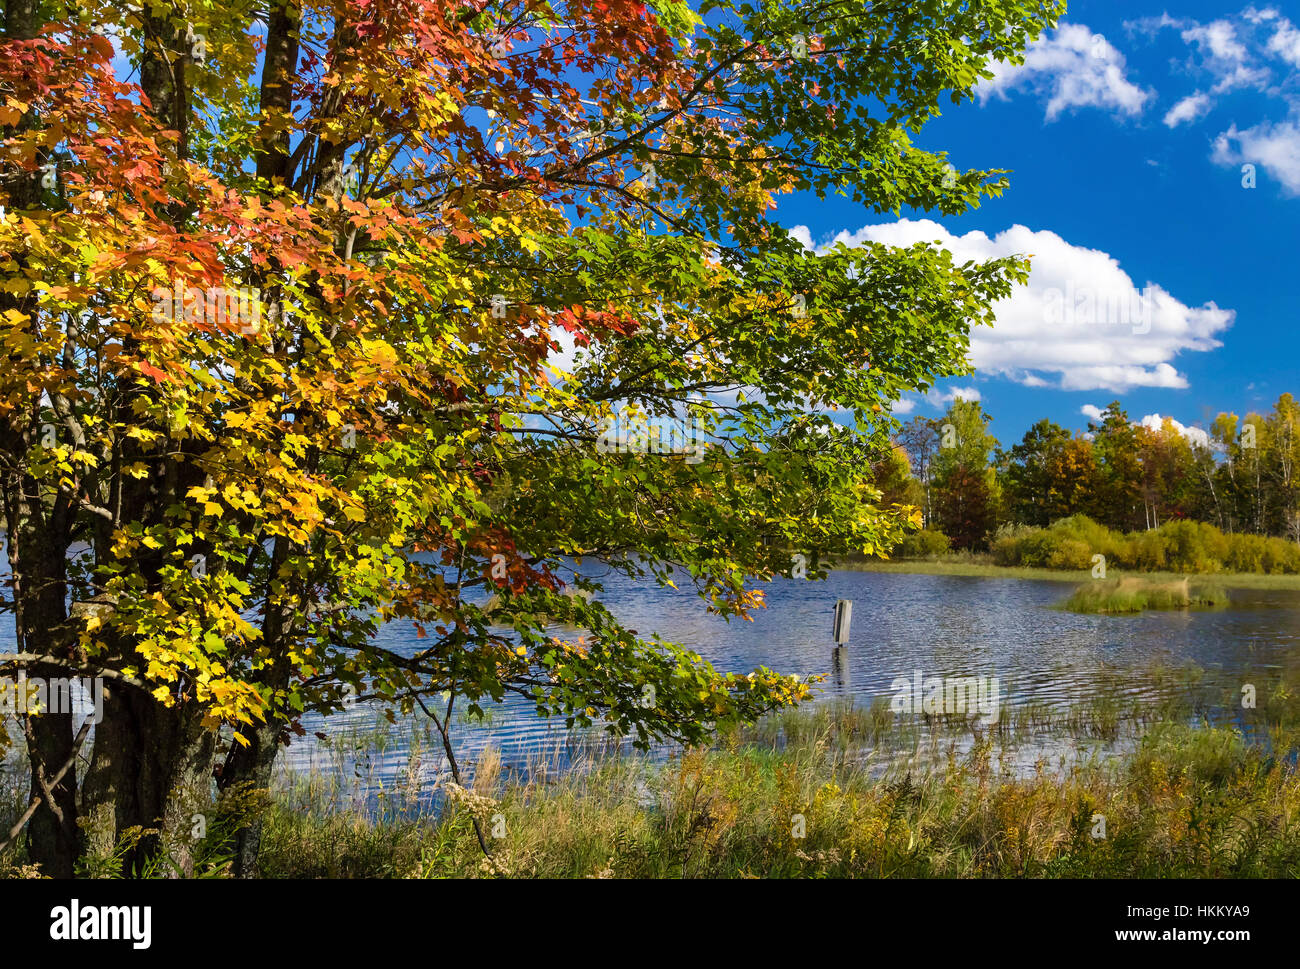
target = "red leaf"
x: 150, y: 370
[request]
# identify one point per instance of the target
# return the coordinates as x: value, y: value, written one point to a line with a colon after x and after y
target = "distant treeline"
x: 1129, y: 480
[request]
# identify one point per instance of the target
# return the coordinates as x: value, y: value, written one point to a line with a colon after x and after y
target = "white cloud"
x: 1217, y: 39
x: 938, y: 399
x: 1081, y: 319
x: 1193, y: 434
x: 1222, y: 46
x: 1259, y: 16
x: 1285, y: 42
x: 1092, y: 412
x: 1245, y: 51
x: 802, y: 235
x: 566, y: 358
x: 1242, y: 76
x: 1077, y: 68
x: 1188, y: 109
x: 1275, y: 147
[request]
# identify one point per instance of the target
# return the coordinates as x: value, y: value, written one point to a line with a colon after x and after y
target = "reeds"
x: 1113, y: 786
x: 811, y: 795
x: 1130, y: 595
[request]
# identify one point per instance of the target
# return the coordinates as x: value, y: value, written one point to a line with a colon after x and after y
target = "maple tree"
x: 312, y: 315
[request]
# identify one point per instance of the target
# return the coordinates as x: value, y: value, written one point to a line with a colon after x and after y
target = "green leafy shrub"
x: 1181, y: 546
x: 928, y: 541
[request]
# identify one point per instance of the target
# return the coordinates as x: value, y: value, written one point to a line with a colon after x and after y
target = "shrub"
x: 1069, y: 553
x: 928, y: 541
x: 1182, y: 546
x: 1246, y: 553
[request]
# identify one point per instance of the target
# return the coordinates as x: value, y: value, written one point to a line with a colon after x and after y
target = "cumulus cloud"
x: 1229, y: 51
x: 802, y: 235
x: 1188, y: 109
x: 1276, y: 147
x: 1092, y: 412
x: 1193, y: 434
x: 1072, y: 68
x: 1285, y: 42
x: 1217, y: 39
x: 1081, y: 323
x: 937, y: 399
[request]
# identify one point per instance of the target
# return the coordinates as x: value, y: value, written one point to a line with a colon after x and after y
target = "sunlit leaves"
x: 390, y: 432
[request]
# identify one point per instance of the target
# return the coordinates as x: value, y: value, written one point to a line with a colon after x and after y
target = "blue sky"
x: 1126, y: 132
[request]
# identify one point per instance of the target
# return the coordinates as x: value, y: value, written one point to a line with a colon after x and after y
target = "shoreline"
x: 1231, y: 580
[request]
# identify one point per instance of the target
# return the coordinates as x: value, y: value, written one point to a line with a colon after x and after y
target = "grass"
x: 819, y: 793
x: 1185, y: 799
x: 973, y: 566
x: 1134, y: 595
x: 1188, y: 802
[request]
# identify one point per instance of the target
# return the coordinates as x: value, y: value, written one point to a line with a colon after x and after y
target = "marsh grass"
x: 1186, y: 798
x: 1130, y: 595
x: 879, y: 796
x: 977, y: 568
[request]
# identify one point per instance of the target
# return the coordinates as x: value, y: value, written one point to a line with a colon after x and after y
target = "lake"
x: 947, y: 626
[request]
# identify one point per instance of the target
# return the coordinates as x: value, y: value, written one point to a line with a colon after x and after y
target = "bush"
x: 1182, y: 546
x: 1281, y: 556
x: 1246, y: 553
x: 1194, y: 546
x: 1067, y: 544
x: 1007, y: 546
x: 926, y: 542
x: 1144, y: 551
x: 1069, y: 553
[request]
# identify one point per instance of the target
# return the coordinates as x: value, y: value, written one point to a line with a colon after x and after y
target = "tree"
x: 966, y: 495
x: 283, y: 327
x: 1168, y: 472
x: 1031, y: 487
x: 966, y: 506
x: 893, y: 478
x: 1119, y: 487
x: 1285, y: 465
x: 919, y: 438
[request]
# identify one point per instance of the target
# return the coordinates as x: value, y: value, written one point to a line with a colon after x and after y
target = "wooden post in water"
x: 840, y: 631
x: 843, y: 616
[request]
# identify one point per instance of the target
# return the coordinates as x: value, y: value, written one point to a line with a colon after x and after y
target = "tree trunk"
x: 251, y: 767
x: 151, y: 769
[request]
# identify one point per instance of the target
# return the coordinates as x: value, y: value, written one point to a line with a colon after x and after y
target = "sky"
x: 1165, y: 269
